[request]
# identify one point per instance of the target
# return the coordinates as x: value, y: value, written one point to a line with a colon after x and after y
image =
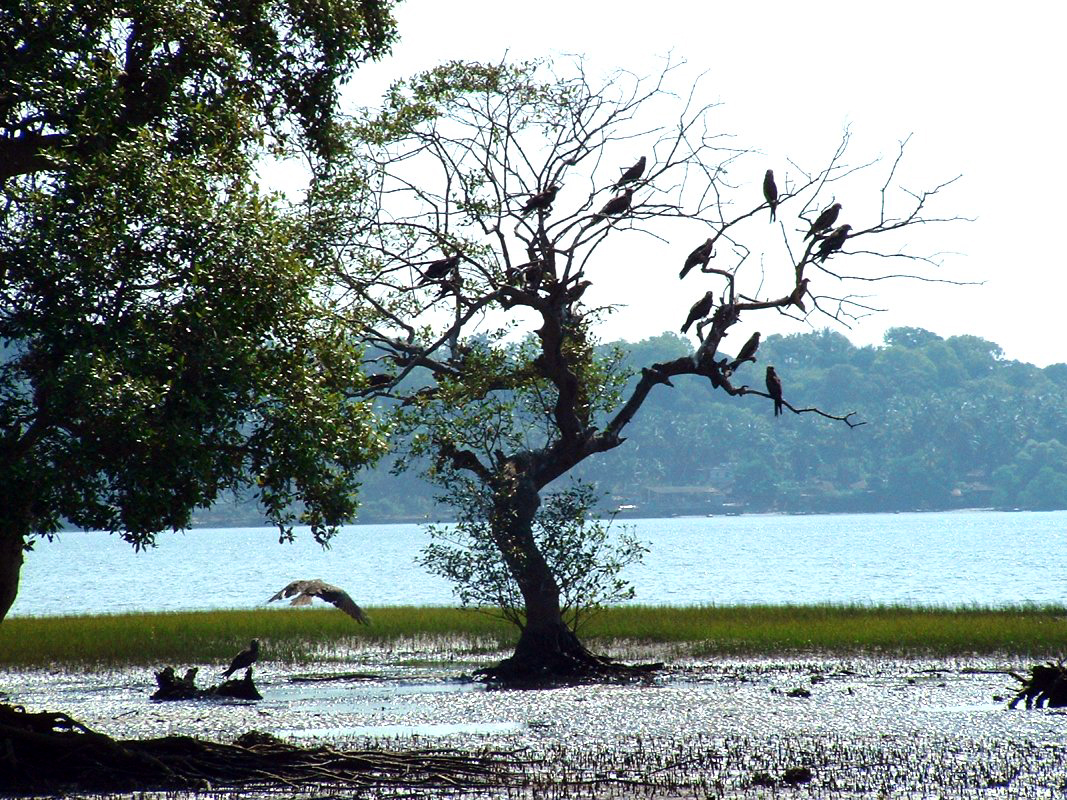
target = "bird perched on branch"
x: 439, y: 269
x: 541, y: 200
x: 632, y: 174
x: 305, y: 590
x: 770, y: 192
x: 747, y: 352
x: 245, y: 658
x: 824, y: 221
x: 616, y: 205
x: 833, y: 242
x: 701, y: 308
x: 774, y: 389
x: 699, y: 257
x: 796, y: 298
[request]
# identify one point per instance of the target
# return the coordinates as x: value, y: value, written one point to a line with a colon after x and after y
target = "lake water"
x: 980, y: 558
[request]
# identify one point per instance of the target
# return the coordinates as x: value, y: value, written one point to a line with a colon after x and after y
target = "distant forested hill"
x: 949, y: 424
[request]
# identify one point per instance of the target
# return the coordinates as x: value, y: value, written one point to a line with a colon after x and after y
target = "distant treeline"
x: 949, y: 423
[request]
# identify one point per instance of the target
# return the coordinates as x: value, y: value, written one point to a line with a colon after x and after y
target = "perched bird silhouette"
x: 770, y: 192
x: 747, y: 352
x: 797, y: 296
x: 245, y: 658
x: 541, y: 200
x: 632, y: 174
x: 824, y: 221
x: 439, y: 269
x: 701, y: 308
x: 833, y: 242
x: 616, y: 205
x: 699, y: 257
x: 774, y: 389
x: 305, y: 590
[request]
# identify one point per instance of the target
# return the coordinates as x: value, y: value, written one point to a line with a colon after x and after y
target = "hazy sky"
x: 982, y: 93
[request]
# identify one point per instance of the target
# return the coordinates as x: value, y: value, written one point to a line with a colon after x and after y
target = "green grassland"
x: 304, y: 636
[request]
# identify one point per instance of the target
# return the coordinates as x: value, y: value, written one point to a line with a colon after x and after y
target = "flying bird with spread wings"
x: 632, y: 174
x: 306, y: 590
x: 770, y: 192
x: 245, y: 658
x: 699, y: 257
x: 824, y: 221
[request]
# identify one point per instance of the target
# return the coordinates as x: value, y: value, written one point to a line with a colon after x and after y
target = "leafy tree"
x: 489, y: 199
x: 163, y: 341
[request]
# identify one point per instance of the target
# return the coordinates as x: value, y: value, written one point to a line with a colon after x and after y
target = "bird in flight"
x: 245, y: 658
x: 306, y: 590
x: 770, y: 192
x: 632, y: 174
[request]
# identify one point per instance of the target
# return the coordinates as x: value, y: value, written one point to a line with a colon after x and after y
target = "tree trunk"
x: 548, y: 651
x: 12, y: 541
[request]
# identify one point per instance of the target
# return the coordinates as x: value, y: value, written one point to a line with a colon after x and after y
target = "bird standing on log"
x: 699, y: 257
x: 770, y: 192
x: 774, y: 389
x: 824, y: 221
x: 245, y: 658
x: 632, y: 174
x: 701, y: 308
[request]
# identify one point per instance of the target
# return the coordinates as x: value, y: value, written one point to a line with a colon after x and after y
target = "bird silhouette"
x: 541, y: 200
x: 701, y: 308
x: 439, y: 269
x: 824, y: 221
x: 796, y: 298
x: 774, y: 389
x: 747, y: 352
x: 245, y: 658
x: 770, y: 192
x: 632, y: 174
x: 833, y: 242
x: 616, y: 205
x: 305, y: 590
x: 699, y: 257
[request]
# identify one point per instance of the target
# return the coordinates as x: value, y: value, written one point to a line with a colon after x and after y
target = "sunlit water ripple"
x: 978, y: 558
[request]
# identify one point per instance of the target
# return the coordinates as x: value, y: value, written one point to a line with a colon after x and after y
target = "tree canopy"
x: 162, y: 329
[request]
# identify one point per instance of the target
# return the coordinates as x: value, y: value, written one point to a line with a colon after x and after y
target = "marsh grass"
x: 304, y: 636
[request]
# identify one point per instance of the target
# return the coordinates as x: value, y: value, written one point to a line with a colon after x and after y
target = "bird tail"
x: 777, y: 408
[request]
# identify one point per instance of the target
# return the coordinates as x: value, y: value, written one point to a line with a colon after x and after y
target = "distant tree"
x: 163, y: 339
x: 491, y: 204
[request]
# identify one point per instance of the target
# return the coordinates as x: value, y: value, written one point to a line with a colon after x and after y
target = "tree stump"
x: 171, y: 687
x: 1046, y: 686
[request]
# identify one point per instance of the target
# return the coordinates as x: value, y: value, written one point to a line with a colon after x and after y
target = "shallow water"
x: 870, y: 726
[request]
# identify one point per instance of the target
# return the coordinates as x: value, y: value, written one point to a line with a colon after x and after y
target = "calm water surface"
x: 984, y: 558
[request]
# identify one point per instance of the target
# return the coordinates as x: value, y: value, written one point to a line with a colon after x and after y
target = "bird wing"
x: 340, y: 598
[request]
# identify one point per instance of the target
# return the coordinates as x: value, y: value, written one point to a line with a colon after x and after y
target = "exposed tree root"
x: 560, y: 659
x: 50, y: 753
x: 171, y: 687
x: 1047, y: 685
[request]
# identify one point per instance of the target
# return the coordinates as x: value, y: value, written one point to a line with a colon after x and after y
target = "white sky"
x: 983, y: 94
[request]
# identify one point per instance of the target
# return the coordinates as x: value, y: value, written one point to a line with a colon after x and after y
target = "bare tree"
x: 477, y: 211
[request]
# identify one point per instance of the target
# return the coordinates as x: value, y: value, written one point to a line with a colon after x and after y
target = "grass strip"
x: 309, y: 635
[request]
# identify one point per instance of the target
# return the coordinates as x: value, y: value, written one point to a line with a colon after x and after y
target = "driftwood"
x: 1046, y: 686
x: 171, y: 687
x: 51, y: 753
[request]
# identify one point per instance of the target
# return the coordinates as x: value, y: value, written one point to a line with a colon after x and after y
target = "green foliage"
x: 161, y: 325
x: 586, y: 560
